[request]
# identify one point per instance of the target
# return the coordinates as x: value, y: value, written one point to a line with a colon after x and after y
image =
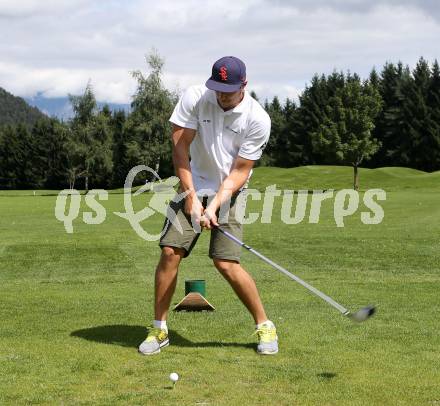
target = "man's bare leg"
x: 244, y: 286
x: 165, y: 280
x: 165, y: 284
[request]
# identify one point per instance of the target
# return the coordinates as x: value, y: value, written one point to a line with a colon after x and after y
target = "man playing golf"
x: 219, y: 131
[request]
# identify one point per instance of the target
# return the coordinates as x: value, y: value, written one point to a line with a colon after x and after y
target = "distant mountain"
x: 14, y: 110
x: 61, y: 108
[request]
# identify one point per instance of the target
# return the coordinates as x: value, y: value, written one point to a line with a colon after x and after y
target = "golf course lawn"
x: 74, y: 307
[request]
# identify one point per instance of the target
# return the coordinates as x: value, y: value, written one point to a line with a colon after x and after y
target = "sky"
x: 54, y: 47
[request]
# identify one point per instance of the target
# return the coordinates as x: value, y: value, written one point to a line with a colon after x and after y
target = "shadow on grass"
x: 132, y: 336
x: 326, y: 375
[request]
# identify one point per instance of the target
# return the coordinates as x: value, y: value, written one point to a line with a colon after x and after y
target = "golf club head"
x: 362, y: 314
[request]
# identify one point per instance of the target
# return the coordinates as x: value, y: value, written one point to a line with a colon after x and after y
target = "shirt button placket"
x: 221, y: 121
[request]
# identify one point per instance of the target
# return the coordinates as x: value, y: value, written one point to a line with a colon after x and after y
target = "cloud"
x: 429, y: 7
x: 112, y: 85
x: 30, y: 8
x: 55, y: 47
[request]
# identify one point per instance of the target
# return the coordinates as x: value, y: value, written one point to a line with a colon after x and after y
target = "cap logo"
x: 223, y: 73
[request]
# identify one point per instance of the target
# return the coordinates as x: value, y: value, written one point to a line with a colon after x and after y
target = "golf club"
x: 359, y: 316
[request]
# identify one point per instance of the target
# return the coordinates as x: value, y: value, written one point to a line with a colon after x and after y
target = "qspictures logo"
x: 346, y: 203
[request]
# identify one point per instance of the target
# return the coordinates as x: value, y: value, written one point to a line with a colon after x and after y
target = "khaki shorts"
x: 220, y: 246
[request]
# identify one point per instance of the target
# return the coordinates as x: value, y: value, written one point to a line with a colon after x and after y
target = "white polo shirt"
x: 221, y: 135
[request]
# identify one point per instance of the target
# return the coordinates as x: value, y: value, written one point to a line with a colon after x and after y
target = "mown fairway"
x: 74, y: 307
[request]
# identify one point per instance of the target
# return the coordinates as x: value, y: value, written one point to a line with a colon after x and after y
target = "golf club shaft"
x: 309, y: 287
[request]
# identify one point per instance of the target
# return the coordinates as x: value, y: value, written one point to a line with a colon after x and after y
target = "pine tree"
x: 292, y: 154
x: 120, y: 167
x: 421, y: 153
x: 28, y: 174
x: 254, y: 95
x: 433, y: 125
x: 397, y: 140
x: 374, y: 79
x: 53, y: 136
x: 35, y: 158
x: 11, y: 154
x: 308, y: 117
x: 417, y: 143
x: 385, y: 130
x: 274, y: 154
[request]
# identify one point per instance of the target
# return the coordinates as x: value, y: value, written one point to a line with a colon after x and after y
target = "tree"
x: 310, y: 115
x: 254, y: 95
x: 374, y: 79
x: 120, y: 169
x: 395, y: 122
x: 18, y: 153
x: 90, y: 142
x: 345, y: 133
x: 100, y: 159
x: 298, y: 147
x: 148, y: 129
x: 280, y: 150
x: 275, y: 146
x: 54, y: 144
x: 46, y: 154
x: 422, y: 114
x: 387, y: 128
x: 84, y: 108
x: 433, y: 128
x: 11, y: 156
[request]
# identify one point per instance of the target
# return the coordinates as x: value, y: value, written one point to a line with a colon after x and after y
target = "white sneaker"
x: 267, y: 339
x: 157, y: 338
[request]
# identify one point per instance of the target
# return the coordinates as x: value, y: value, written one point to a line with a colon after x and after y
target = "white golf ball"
x: 174, y: 377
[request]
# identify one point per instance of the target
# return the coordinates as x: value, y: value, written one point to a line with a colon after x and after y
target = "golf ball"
x: 174, y: 377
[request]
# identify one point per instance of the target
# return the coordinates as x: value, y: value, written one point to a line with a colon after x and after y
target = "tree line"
x: 97, y: 147
x: 390, y: 119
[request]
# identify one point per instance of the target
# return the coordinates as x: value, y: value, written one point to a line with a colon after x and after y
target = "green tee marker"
x: 196, y: 285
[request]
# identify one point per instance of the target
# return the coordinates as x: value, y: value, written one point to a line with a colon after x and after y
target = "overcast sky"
x: 56, y: 46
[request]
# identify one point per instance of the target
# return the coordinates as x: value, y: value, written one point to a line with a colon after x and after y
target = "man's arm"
x: 181, y: 140
x: 233, y: 182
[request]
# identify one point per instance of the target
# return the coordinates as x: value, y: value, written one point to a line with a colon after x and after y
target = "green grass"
x: 341, y: 177
x: 74, y: 307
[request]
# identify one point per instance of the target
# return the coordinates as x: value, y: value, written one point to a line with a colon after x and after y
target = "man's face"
x: 228, y: 101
